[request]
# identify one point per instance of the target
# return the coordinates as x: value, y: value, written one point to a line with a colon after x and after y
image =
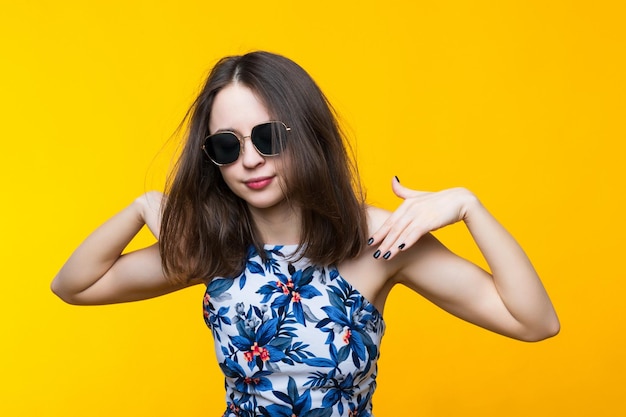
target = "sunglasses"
x: 224, y: 147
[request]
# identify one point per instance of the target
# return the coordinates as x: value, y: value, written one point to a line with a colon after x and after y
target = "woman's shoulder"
x: 376, y: 216
x: 368, y: 274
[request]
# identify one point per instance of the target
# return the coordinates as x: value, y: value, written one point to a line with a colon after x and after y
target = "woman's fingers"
x: 400, y: 231
x: 419, y: 213
x: 151, y: 211
x: 402, y: 191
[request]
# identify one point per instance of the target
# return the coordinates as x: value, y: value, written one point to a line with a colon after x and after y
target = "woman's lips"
x: 258, y: 183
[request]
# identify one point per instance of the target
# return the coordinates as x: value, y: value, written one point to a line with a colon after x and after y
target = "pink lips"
x: 258, y: 183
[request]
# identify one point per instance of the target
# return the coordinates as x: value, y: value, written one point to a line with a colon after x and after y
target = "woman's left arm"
x: 511, y: 300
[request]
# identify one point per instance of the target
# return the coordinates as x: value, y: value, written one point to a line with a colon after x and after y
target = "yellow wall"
x: 521, y: 101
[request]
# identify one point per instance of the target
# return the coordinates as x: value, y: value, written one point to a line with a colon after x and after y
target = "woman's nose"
x: 250, y: 156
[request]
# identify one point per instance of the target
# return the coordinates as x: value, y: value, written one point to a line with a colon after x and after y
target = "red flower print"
x: 256, y: 350
x: 249, y: 381
x: 285, y: 287
x: 346, y: 336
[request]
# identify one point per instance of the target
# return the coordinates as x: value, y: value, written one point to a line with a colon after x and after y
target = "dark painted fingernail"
x: 401, y: 246
x: 387, y: 255
x: 397, y: 179
x: 370, y: 240
x: 377, y: 254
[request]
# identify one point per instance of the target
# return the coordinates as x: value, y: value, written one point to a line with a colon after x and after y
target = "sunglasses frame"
x: 241, y: 140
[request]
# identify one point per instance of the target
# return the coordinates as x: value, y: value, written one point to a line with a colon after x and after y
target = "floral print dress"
x: 293, y: 339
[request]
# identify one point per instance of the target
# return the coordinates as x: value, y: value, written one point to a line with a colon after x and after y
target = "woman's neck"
x: 278, y: 225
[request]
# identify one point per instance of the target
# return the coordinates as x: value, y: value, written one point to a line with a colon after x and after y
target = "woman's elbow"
x: 58, y: 289
x: 549, y: 328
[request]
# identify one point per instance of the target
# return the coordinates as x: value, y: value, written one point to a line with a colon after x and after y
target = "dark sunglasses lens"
x: 267, y: 137
x: 223, y: 148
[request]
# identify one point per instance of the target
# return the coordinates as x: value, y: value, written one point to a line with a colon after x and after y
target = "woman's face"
x: 253, y: 177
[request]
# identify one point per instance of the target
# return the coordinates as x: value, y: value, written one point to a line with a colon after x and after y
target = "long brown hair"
x: 206, y: 230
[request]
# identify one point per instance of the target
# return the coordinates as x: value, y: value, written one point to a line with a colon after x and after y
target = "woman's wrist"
x: 138, y: 209
x: 148, y: 210
x: 470, y: 204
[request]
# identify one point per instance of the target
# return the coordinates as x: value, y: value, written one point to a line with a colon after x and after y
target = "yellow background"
x: 521, y: 101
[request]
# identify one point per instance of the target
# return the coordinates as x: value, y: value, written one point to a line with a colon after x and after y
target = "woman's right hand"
x: 150, y: 209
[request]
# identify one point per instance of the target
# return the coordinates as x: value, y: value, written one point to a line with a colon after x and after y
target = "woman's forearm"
x: 97, y: 253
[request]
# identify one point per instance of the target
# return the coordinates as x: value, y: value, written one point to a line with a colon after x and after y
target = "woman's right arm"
x: 98, y: 273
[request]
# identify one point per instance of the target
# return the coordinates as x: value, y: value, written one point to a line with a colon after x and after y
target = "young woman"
x: 265, y: 209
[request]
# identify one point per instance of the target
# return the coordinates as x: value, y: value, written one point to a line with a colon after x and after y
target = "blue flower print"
x: 297, y: 405
x: 217, y: 291
x: 293, y: 338
x: 354, y: 337
x: 244, y: 383
x: 256, y: 346
x: 291, y: 290
x: 251, y: 267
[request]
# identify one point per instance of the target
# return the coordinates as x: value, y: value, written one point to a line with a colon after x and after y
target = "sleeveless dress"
x: 293, y: 339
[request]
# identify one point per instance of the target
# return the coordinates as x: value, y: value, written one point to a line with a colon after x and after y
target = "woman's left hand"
x: 420, y: 212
